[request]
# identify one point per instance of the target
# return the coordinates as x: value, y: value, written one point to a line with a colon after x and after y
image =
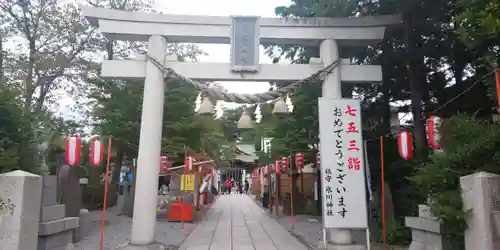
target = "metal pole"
x: 369, y: 188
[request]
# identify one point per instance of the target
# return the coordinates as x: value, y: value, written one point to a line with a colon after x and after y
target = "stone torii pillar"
x: 144, y: 219
x: 332, y: 88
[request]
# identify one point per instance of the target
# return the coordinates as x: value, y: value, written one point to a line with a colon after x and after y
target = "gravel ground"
x: 118, y: 228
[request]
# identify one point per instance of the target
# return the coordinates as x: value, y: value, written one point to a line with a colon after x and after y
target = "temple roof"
x: 245, y: 153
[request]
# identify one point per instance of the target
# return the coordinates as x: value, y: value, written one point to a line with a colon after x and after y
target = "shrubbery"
x: 470, y: 145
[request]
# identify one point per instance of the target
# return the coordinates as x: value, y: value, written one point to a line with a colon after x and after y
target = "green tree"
x: 12, y: 124
x: 479, y: 28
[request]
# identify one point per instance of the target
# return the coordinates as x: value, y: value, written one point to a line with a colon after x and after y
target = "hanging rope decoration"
x: 433, y: 127
x: 405, y: 145
x: 223, y: 95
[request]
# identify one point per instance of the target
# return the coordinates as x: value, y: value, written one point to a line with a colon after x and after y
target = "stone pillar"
x: 144, y: 220
x: 21, y: 196
x: 332, y: 89
x: 481, y: 197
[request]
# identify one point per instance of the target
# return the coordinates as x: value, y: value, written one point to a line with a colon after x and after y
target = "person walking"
x: 240, y: 188
x: 247, y: 186
x: 229, y: 186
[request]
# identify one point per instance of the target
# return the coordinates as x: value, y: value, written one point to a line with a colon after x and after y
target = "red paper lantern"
x: 299, y: 161
x: 405, y: 145
x: 265, y: 170
x: 73, y: 151
x: 96, y: 151
x: 277, y: 166
x: 433, y: 127
x: 255, y: 173
x: 188, y: 163
x: 163, y: 164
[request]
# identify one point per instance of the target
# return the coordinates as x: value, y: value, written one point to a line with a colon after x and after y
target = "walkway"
x: 235, y: 222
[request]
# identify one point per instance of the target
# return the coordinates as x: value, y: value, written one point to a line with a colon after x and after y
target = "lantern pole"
x: 382, y: 180
x: 289, y: 165
x: 370, y: 195
x: 276, y: 186
x: 103, y: 216
x: 497, y: 82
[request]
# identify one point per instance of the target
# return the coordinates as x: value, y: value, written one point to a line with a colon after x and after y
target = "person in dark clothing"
x: 247, y: 186
x: 214, y: 190
x: 240, y: 188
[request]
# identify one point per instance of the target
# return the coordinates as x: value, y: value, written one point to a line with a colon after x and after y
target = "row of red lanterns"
x: 405, y: 138
x: 74, y: 151
x: 281, y: 165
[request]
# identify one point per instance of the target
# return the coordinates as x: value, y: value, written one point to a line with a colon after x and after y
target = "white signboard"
x: 342, y: 164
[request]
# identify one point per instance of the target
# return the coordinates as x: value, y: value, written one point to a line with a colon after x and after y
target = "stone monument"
x: 69, y: 191
x: 56, y: 230
x: 481, y: 199
x: 20, y: 196
x: 425, y: 230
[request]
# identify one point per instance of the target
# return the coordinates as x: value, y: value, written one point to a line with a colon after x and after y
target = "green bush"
x: 470, y: 145
x: 396, y: 233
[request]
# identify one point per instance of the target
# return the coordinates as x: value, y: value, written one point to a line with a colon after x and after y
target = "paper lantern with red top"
x: 433, y: 127
x: 96, y: 151
x: 284, y: 163
x: 163, y: 164
x: 73, y: 151
x: 299, y: 161
x: 405, y: 145
x: 188, y: 163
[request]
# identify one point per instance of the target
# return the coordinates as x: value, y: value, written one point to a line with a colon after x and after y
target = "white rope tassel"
x: 223, y: 95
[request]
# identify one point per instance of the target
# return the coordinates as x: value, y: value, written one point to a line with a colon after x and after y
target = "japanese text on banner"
x: 342, y: 171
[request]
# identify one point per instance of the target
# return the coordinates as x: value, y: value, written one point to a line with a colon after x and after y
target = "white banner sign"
x: 342, y: 164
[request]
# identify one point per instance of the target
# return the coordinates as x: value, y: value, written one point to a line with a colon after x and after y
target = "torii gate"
x: 244, y: 34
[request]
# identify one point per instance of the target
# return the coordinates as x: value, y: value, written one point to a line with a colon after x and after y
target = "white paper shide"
x: 342, y: 164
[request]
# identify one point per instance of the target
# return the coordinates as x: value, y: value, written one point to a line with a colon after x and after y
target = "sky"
x: 215, y: 52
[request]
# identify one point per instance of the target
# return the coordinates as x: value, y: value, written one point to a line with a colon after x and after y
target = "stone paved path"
x: 235, y: 222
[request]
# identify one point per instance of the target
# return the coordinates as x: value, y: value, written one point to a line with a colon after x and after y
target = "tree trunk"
x: 386, y: 90
x: 1, y: 59
x: 415, y: 64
